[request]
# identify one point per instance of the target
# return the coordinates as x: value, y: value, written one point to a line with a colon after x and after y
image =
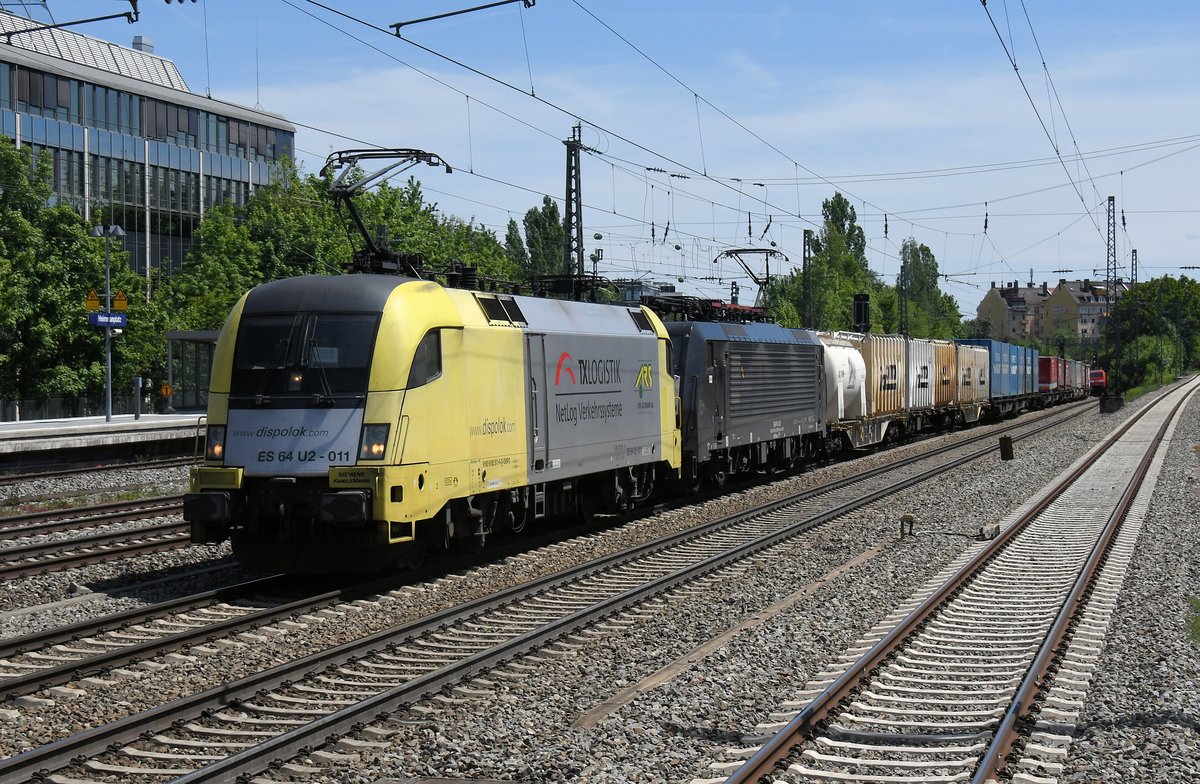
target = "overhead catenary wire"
x: 696, y: 97
x: 1013, y: 60
x: 445, y: 84
x: 503, y: 83
x: 766, y: 213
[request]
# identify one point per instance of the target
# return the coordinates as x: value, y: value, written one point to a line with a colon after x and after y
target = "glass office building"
x: 130, y: 143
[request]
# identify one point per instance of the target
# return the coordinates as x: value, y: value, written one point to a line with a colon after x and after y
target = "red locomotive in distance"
x: 1099, y: 381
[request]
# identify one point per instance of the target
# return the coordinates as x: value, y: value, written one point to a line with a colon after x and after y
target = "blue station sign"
x: 107, y: 319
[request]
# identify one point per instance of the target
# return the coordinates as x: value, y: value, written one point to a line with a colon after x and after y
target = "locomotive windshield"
x: 321, y: 355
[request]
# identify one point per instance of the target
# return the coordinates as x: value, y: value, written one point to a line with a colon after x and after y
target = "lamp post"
x: 106, y: 232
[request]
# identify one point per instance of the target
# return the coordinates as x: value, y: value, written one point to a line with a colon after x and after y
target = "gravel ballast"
x: 529, y: 728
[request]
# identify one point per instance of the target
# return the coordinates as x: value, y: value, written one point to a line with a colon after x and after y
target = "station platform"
x: 49, y: 442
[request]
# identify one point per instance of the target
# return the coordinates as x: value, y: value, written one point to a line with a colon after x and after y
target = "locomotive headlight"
x: 215, y: 442
x: 374, y: 442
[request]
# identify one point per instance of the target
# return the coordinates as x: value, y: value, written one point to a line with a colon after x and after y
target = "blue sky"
x: 735, y: 121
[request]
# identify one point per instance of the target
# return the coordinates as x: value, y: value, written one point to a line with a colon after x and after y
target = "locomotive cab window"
x: 427, y: 360
x: 264, y: 342
x: 340, y: 341
x: 304, y: 354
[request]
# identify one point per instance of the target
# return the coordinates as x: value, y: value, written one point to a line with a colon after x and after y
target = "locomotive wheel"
x: 585, y: 504
x: 415, y: 556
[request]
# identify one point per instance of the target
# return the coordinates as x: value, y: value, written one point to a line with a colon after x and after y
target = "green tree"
x: 885, y: 310
x: 544, y: 237
x: 295, y: 226
x: 1154, y: 330
x: 842, y: 221
x: 783, y: 300
x: 975, y: 328
x: 514, y: 246
x: 839, y: 270
x: 415, y: 226
x: 931, y: 313
x: 225, y: 263
x: 291, y: 228
x: 48, y: 264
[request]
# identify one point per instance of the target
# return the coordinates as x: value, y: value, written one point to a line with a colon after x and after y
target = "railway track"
x: 984, y: 675
x: 74, y: 518
x: 7, y: 479
x: 58, y: 656
x: 93, y: 648
x: 40, y: 557
x: 242, y: 726
x: 44, y: 557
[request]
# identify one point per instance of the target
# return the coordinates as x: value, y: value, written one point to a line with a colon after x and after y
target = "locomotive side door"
x: 537, y: 402
x: 720, y: 389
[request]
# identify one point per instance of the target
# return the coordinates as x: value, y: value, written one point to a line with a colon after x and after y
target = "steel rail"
x: 71, y: 555
x: 63, y: 634
x: 328, y: 727
x: 777, y: 750
x: 1033, y: 684
x: 118, y: 657
x: 65, y: 519
x: 129, y: 728
x: 13, y: 554
x: 66, y: 672
x: 7, y: 479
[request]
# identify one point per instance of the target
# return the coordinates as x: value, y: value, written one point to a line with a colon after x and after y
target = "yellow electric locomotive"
x: 355, y: 420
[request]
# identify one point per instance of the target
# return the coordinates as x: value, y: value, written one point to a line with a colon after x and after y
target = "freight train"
x: 357, y: 422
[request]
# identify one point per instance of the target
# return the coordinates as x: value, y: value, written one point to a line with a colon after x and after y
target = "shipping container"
x: 1003, y: 381
x: 972, y: 364
x: 921, y: 370
x: 1021, y: 371
x: 945, y: 373
x: 1016, y: 361
x: 883, y: 356
x: 1049, y: 379
x: 1079, y: 376
x: 1030, y: 379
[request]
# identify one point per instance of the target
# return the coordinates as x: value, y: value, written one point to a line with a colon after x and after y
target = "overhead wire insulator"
x: 985, y: 217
